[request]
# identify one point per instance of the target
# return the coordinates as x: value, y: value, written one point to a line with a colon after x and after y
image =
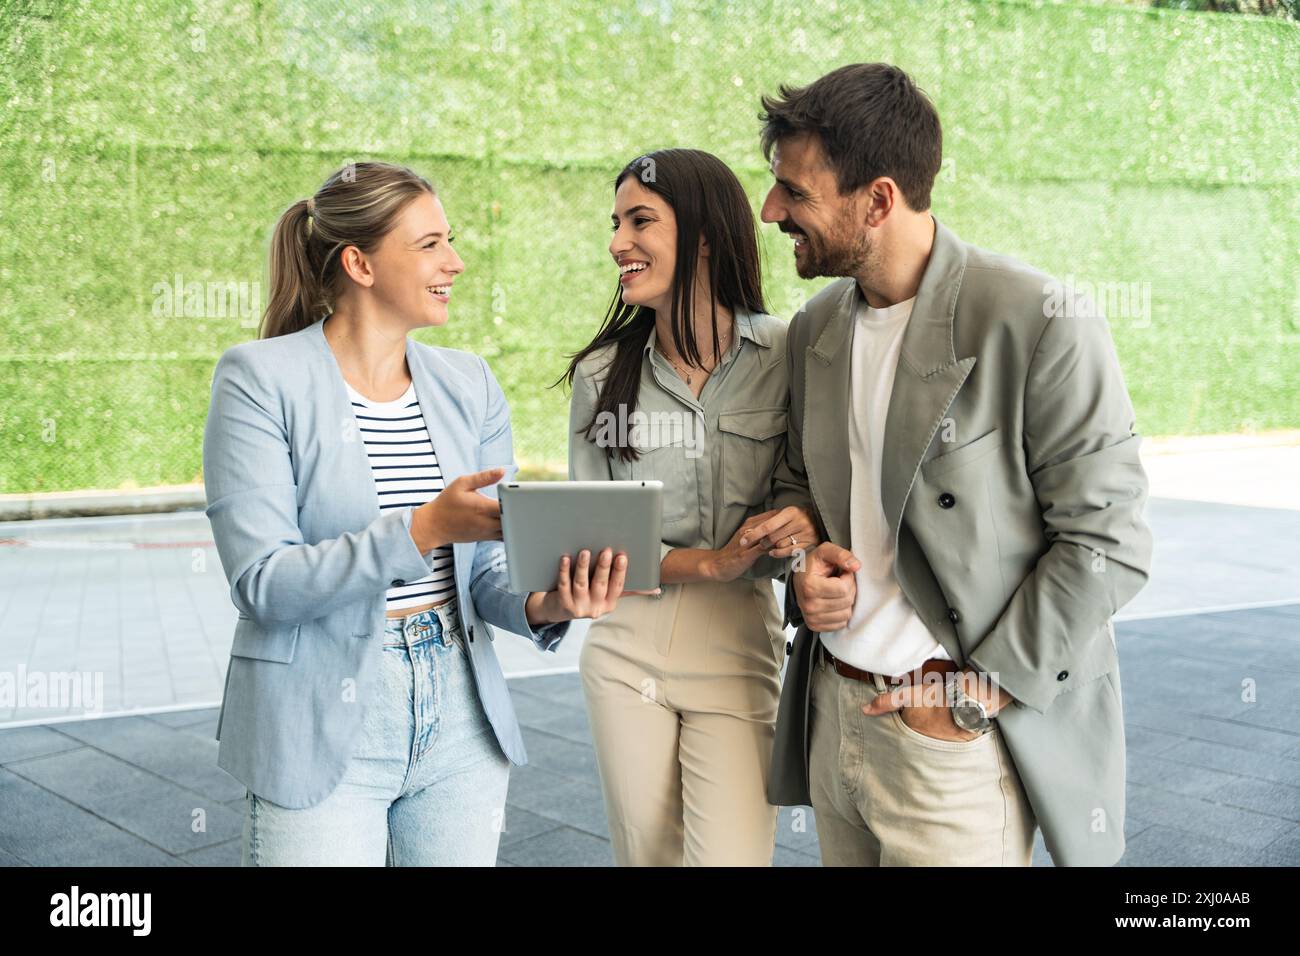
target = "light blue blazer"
x: 308, y: 556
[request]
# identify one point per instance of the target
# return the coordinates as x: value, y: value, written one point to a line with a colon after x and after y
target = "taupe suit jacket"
x: 1009, y: 398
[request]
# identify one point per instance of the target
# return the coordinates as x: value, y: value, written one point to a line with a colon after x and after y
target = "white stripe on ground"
x: 138, y: 712
x: 57, y: 545
x: 572, y: 669
x: 145, y: 517
x: 1215, y: 609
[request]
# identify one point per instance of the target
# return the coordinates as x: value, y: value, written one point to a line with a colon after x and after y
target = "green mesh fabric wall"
x: 150, y: 143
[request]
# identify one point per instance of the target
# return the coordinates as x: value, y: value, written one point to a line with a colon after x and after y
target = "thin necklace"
x: 686, y: 372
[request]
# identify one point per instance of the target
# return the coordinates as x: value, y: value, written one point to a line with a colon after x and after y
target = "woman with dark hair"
x: 687, y: 383
x: 350, y: 476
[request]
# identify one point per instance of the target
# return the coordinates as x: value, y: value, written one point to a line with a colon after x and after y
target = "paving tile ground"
x: 139, y: 605
x: 1213, y: 741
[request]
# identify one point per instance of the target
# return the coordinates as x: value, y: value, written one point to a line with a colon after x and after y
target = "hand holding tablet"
x: 543, y: 521
x: 586, y: 588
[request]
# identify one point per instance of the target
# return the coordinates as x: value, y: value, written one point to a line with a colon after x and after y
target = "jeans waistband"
x: 441, y: 624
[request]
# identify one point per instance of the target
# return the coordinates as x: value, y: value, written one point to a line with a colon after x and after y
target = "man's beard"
x: 846, y: 251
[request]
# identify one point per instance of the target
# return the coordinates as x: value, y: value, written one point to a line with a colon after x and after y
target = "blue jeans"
x: 426, y: 783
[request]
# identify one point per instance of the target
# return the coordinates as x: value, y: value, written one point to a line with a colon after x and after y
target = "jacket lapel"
x: 436, y: 401
x: 342, y: 429
x: 440, y: 406
x: 928, y: 378
x: 825, y: 417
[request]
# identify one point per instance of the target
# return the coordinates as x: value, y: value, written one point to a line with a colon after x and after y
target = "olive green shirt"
x: 715, y: 455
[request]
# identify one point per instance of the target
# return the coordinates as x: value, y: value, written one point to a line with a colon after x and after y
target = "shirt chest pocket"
x: 751, y: 439
x: 672, y: 462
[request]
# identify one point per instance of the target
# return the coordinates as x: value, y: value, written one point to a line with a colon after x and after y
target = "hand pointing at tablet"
x: 459, y: 513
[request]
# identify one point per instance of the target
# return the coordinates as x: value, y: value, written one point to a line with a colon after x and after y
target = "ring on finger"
x: 793, y: 542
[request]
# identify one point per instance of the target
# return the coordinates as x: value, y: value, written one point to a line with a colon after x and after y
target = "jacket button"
x: 953, y: 615
x: 946, y: 500
x: 789, y: 648
x: 1063, y: 675
x: 397, y: 582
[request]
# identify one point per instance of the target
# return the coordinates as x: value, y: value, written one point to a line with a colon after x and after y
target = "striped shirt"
x: 406, y: 474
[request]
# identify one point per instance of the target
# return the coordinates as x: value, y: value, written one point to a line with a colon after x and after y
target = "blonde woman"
x: 349, y: 473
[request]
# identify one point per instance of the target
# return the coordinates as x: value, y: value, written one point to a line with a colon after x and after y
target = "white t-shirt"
x: 884, y: 634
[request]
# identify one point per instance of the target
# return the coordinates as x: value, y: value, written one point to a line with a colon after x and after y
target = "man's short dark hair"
x: 872, y: 121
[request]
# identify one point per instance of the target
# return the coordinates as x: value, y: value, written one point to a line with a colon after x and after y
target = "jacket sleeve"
x: 767, y: 567
x: 248, y: 476
x: 489, y: 577
x: 790, y: 486
x: 1081, y: 452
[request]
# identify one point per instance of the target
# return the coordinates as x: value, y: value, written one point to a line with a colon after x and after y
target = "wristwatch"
x: 968, y: 712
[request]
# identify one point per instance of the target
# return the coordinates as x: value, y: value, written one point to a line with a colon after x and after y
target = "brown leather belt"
x: 933, y: 665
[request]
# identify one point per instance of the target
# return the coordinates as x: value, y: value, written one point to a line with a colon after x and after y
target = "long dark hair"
x: 709, y: 203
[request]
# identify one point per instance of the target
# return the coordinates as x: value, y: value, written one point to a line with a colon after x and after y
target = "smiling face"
x: 644, y: 245
x: 412, y: 268
x: 830, y: 238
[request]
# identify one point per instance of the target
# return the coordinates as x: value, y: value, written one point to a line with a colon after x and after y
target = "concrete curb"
x: 81, y: 504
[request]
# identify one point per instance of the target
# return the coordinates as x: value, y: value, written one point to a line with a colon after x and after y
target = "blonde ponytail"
x: 295, y: 293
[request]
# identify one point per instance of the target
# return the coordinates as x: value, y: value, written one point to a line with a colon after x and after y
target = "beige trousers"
x: 682, y: 693
x: 886, y: 795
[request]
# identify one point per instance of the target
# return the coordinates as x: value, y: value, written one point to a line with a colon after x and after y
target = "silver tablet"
x: 542, y: 520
